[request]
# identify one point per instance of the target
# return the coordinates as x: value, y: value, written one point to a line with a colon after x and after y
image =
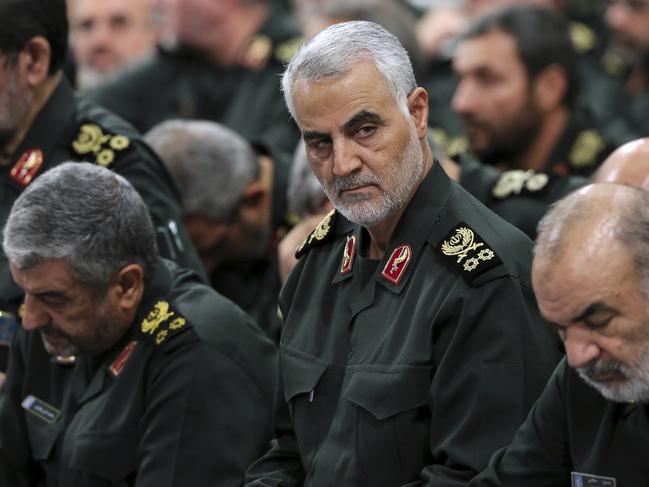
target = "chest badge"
x: 348, y: 255
x: 118, y: 365
x: 397, y: 264
x: 587, y: 480
x: 27, y: 167
x: 41, y: 409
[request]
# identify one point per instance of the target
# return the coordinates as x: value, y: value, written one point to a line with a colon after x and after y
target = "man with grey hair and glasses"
x: 591, y: 279
x: 171, y: 384
x: 411, y: 345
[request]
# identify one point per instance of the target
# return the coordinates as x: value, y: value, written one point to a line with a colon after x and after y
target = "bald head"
x: 629, y: 165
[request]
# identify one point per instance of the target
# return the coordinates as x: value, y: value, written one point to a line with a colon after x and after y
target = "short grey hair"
x: 628, y: 210
x: 305, y: 194
x: 210, y: 164
x: 335, y: 50
x: 86, y: 215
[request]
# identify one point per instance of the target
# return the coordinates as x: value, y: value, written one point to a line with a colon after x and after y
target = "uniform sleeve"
x: 539, y: 453
x: 494, y: 356
x: 205, y: 421
x: 281, y: 465
x: 17, y: 468
x: 149, y: 177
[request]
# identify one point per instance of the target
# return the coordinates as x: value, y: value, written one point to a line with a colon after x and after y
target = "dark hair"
x: 21, y: 20
x: 542, y: 38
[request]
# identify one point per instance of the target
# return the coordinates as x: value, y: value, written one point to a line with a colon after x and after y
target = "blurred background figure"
x: 233, y: 201
x: 307, y: 204
x: 220, y: 61
x: 108, y: 36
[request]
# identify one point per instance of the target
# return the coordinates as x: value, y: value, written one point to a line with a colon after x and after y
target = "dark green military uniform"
x: 245, y: 98
x: 69, y: 128
x: 184, y: 399
x: 521, y: 197
x: 573, y: 428
x: 415, y: 369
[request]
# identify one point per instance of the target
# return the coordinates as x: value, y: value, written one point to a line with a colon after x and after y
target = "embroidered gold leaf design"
x: 161, y: 336
x: 156, y: 316
x: 177, y: 323
x: 460, y: 244
x: 90, y: 139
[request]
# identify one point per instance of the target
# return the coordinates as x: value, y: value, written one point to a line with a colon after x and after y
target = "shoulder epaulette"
x: 465, y: 251
x: 584, y: 39
x: 323, y: 233
x: 96, y: 144
x: 586, y: 148
x: 451, y: 146
x: 162, y: 322
x: 285, y: 50
x: 519, y: 181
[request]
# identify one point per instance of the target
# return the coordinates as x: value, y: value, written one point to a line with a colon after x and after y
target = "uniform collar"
x: 412, y: 230
x: 48, y: 128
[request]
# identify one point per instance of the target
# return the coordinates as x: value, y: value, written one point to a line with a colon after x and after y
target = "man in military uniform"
x: 234, y: 205
x: 411, y: 346
x: 171, y: 383
x: 223, y: 67
x: 516, y: 95
x: 618, y: 88
x: 590, y: 278
x: 43, y: 123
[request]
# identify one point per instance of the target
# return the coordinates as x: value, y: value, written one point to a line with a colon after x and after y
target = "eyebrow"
x: 592, y: 309
x: 361, y: 117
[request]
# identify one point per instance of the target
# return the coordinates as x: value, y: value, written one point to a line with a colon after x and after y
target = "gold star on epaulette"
x: 517, y: 181
x: 162, y: 322
x: 101, y: 144
x: 586, y: 148
x: 467, y: 252
x: 322, y: 234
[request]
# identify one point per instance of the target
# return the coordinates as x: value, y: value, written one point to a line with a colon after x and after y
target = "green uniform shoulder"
x: 466, y: 252
x: 322, y: 234
x: 162, y: 322
x: 95, y: 143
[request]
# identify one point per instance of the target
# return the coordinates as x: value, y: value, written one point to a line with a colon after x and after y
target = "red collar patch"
x: 397, y: 264
x: 120, y: 362
x: 27, y: 166
x: 348, y: 255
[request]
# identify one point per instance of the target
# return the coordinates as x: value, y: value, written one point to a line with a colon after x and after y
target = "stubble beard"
x: 368, y: 211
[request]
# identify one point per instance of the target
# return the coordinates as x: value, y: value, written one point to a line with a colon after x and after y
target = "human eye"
x: 366, y: 131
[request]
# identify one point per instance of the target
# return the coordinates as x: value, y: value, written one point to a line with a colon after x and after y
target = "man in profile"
x: 127, y: 370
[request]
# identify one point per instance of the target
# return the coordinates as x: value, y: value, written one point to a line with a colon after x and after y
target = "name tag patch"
x: 41, y: 409
x: 587, y: 480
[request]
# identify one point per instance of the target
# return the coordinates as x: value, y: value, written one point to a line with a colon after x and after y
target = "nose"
x: 34, y: 314
x: 464, y: 98
x: 580, y: 346
x: 346, y: 158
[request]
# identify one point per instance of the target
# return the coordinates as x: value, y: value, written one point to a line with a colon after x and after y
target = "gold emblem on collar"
x: 586, y: 148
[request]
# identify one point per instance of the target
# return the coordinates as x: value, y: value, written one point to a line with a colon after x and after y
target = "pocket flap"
x: 97, y: 455
x: 386, y: 393
x: 42, y: 436
x: 300, y: 375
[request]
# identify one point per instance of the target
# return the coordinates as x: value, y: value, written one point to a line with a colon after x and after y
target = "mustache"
x: 598, y: 369
x: 51, y: 331
x: 343, y: 183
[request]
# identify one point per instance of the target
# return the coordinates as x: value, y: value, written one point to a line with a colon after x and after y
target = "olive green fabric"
x: 521, y: 197
x: 416, y: 379
x: 192, y: 408
x: 54, y: 131
x: 181, y: 84
x: 573, y: 428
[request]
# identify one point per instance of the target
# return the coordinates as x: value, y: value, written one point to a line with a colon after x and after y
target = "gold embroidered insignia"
x: 583, y: 37
x: 467, y: 251
x: 396, y: 265
x: 156, y: 316
x: 177, y: 323
x: 256, y: 55
x: 27, y: 166
x: 586, y: 148
x: 322, y: 233
x: 285, y: 50
x: 93, y: 140
x: 517, y: 181
x: 161, y: 336
x: 349, y: 252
